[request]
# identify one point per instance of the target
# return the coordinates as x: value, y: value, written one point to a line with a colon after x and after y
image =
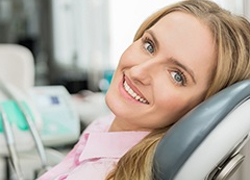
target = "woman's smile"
x: 132, y: 91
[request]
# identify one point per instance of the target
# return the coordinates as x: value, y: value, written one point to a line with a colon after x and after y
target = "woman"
x: 181, y: 55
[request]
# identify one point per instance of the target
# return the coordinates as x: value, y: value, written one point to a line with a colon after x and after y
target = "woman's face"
x: 164, y: 74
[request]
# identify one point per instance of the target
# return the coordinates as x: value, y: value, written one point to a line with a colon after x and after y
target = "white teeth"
x: 133, y: 94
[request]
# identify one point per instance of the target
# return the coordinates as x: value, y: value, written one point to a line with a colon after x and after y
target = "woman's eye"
x: 149, y: 47
x: 178, y: 77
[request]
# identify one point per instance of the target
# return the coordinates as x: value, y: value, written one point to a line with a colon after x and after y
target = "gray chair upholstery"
x: 183, y: 139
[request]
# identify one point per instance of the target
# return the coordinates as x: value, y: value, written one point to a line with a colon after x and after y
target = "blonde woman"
x: 181, y: 55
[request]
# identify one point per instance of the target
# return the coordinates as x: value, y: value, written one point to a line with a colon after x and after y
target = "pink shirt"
x: 95, y: 154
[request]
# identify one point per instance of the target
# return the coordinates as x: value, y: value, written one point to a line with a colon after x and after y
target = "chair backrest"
x: 17, y: 65
x: 200, y: 144
x: 16, y: 71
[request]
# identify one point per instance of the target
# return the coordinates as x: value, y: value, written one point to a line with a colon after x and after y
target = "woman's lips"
x: 133, y: 91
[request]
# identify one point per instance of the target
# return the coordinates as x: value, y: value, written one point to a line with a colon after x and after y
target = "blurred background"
x: 77, y: 43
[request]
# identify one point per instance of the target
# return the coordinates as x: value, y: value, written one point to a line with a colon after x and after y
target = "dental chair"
x: 19, y: 120
x: 207, y: 143
x: 17, y: 65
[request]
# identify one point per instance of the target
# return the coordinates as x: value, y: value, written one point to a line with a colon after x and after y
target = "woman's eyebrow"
x: 184, y: 67
x: 152, y: 34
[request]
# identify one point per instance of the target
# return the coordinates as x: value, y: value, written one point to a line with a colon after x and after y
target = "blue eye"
x: 149, y: 47
x: 178, y: 77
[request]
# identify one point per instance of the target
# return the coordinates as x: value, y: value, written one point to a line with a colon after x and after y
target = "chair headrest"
x: 181, y: 140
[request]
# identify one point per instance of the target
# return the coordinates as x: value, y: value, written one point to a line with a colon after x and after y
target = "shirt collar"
x: 110, y: 144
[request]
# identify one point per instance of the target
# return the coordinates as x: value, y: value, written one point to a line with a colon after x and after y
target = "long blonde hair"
x: 232, y: 36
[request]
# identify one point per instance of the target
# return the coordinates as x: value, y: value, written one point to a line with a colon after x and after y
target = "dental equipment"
x: 10, y: 141
x: 10, y: 92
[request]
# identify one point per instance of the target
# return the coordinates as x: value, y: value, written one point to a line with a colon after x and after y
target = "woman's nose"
x: 142, y: 73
